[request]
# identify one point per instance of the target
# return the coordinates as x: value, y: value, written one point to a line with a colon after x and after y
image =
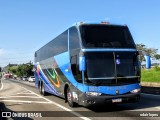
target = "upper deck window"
x: 74, y: 38
x: 106, y: 36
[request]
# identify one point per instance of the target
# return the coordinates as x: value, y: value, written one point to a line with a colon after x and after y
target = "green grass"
x: 150, y: 75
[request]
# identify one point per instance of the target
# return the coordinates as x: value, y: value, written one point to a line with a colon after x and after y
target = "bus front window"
x: 106, y: 36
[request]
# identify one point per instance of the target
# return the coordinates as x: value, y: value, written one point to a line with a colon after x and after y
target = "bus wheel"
x: 42, y: 90
x: 40, y: 87
x: 70, y: 98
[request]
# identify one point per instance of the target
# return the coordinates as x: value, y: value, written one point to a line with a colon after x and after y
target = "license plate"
x: 116, y: 100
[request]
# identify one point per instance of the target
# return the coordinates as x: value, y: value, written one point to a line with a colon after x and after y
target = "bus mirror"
x: 82, y: 63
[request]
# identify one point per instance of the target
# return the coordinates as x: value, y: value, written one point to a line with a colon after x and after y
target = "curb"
x: 150, y: 84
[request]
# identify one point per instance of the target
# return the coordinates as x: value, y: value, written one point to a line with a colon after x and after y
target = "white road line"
x: 21, y: 101
x: 37, y: 95
x: 24, y: 93
x: 20, y: 97
x: 1, y: 85
x: 64, y: 108
x: 158, y: 107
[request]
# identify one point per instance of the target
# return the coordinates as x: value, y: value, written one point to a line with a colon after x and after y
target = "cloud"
x: 107, y: 19
x: 2, y: 52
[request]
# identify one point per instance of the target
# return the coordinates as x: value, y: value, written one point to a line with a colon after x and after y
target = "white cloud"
x: 107, y: 19
x: 2, y: 52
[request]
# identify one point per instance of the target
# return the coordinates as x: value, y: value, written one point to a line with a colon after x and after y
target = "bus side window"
x: 74, y: 67
x: 74, y: 39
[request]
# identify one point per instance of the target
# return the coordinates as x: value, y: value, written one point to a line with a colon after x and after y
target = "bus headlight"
x: 93, y: 94
x: 136, y: 90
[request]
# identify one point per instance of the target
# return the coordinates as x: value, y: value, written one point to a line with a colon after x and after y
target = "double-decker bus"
x: 90, y: 64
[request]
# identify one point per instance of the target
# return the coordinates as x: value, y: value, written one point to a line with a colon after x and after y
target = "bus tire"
x: 39, y: 87
x: 43, y: 92
x: 70, y: 98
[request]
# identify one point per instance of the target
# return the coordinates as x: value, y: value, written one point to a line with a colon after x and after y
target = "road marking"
x: 24, y: 93
x: 20, y: 97
x: 64, y: 108
x: 37, y: 94
x: 158, y: 107
x: 21, y: 101
x: 1, y: 85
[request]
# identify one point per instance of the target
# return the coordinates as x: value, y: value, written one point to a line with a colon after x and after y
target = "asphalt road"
x: 23, y: 99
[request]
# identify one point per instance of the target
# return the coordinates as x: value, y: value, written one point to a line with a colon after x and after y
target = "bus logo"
x: 118, y: 61
x: 117, y: 92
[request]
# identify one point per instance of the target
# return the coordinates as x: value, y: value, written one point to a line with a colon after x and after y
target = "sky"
x: 27, y: 25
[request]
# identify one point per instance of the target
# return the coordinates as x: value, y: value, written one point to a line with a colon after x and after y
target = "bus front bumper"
x: 107, y: 99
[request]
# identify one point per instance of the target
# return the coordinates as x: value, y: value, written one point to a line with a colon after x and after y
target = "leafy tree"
x: 22, y: 70
x: 148, y: 51
x: 157, y: 56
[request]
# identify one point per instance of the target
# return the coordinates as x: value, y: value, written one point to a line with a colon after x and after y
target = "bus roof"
x: 96, y: 23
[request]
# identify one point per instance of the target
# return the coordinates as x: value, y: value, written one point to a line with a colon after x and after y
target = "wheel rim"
x: 42, y: 89
x: 69, y: 96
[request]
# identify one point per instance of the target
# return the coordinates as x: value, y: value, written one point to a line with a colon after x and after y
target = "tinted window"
x: 74, y: 39
x: 58, y: 45
x: 100, y: 65
x: 54, y: 47
x: 106, y: 36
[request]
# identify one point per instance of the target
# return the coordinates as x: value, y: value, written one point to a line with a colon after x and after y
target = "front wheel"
x: 70, y: 98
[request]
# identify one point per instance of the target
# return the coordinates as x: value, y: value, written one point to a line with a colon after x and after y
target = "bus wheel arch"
x: 69, y: 97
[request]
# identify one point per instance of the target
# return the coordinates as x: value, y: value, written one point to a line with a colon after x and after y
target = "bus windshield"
x: 106, y: 36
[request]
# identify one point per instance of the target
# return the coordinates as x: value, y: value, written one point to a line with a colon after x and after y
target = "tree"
x: 157, y: 56
x: 22, y: 70
x: 148, y: 51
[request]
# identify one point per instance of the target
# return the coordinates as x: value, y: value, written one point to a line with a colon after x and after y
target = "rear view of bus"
x: 109, y: 64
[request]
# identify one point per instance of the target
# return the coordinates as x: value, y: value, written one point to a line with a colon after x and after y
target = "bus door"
x: 74, y: 59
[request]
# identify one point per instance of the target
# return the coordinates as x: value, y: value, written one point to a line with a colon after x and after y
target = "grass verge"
x: 150, y: 75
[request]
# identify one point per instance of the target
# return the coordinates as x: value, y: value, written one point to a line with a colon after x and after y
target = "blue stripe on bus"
x: 111, y: 90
